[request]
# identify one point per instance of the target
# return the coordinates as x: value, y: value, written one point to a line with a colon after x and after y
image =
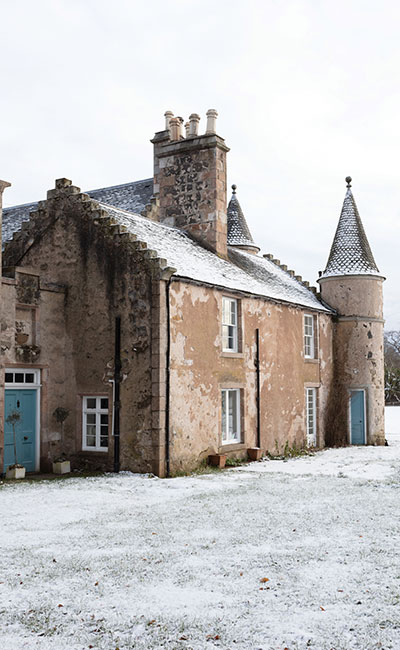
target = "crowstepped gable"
x: 146, y: 313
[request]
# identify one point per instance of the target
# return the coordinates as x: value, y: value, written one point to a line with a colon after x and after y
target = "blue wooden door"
x: 357, y: 417
x: 23, y: 401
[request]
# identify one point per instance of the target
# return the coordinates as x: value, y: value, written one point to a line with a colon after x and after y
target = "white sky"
x: 307, y: 93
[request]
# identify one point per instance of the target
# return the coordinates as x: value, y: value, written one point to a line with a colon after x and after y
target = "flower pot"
x: 62, y: 467
x: 254, y: 453
x: 217, y: 460
x: 17, y: 471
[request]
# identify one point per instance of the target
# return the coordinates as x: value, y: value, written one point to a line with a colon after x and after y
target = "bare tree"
x: 392, y: 367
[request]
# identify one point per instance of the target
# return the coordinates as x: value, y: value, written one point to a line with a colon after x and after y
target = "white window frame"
x: 230, y: 321
x: 309, y: 336
x: 22, y: 384
x: 230, y: 437
x: 98, y: 411
x: 311, y: 416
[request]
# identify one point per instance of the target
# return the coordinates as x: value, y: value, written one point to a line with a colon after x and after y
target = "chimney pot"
x: 194, y: 120
x: 168, y: 115
x: 174, y: 126
x: 211, y: 121
x: 187, y: 129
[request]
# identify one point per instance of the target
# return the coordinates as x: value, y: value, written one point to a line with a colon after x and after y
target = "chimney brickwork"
x: 190, y: 181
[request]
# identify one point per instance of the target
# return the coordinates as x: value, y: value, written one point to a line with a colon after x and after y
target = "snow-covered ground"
x: 272, y: 555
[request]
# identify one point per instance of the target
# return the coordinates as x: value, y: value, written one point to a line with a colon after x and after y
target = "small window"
x: 95, y: 424
x: 22, y: 376
x: 309, y: 339
x: 230, y: 416
x: 229, y: 324
x: 311, y: 416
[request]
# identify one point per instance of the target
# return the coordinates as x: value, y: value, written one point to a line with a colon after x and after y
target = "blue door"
x: 357, y: 417
x: 23, y: 401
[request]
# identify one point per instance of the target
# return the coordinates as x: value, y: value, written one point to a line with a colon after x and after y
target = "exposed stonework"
x: 190, y: 183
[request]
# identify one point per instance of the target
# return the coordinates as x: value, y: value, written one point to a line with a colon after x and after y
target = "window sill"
x: 232, y: 355
x: 101, y: 452
x: 309, y: 360
x: 231, y: 446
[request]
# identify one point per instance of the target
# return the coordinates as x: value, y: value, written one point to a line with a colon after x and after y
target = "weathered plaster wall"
x: 358, y: 353
x: 104, y: 274
x: 199, y: 370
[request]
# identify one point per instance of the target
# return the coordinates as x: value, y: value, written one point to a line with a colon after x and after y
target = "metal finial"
x: 234, y: 189
x: 348, y: 181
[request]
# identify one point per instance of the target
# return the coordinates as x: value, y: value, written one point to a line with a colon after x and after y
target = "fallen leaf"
x: 241, y: 573
x: 151, y: 622
x: 154, y: 533
x: 264, y: 580
x: 322, y: 608
x: 54, y: 559
x: 60, y: 605
x: 340, y: 590
x: 96, y: 583
x: 183, y: 638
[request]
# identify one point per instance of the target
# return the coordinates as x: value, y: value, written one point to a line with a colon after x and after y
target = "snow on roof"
x: 129, y: 196
x: 244, y: 272
x: 238, y: 230
x: 350, y: 253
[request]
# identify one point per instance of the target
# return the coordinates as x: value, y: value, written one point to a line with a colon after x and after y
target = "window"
x: 229, y: 324
x: 230, y: 415
x: 95, y: 424
x: 311, y: 419
x: 309, y: 336
x: 22, y: 376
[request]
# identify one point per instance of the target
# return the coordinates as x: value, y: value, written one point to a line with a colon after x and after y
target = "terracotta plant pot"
x: 254, y: 453
x: 15, y: 472
x: 217, y: 460
x: 62, y: 467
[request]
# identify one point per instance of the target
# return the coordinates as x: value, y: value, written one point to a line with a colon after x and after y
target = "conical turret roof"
x: 350, y: 253
x: 238, y: 230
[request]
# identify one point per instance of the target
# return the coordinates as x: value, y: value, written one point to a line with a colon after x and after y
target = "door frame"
x: 364, y: 391
x: 36, y: 386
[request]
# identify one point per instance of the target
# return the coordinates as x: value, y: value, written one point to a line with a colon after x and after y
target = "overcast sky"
x: 307, y: 93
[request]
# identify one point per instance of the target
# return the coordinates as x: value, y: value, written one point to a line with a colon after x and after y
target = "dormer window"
x: 229, y: 324
x: 309, y: 337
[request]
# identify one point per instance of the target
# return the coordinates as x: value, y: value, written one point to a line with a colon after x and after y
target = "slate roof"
x: 238, y: 230
x: 129, y: 196
x: 244, y: 271
x: 252, y: 274
x: 350, y: 253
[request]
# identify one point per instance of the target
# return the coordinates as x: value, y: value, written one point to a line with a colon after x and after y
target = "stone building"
x: 147, y: 315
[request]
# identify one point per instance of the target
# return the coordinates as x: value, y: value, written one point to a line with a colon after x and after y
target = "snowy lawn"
x: 272, y: 555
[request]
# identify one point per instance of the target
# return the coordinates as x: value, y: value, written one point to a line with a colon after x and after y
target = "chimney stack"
x: 190, y: 180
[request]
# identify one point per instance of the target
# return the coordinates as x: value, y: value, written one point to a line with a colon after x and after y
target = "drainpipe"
x: 167, y: 383
x: 117, y: 381
x: 257, y: 365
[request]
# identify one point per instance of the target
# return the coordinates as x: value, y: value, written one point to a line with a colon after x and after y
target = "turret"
x: 238, y: 231
x: 352, y: 285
